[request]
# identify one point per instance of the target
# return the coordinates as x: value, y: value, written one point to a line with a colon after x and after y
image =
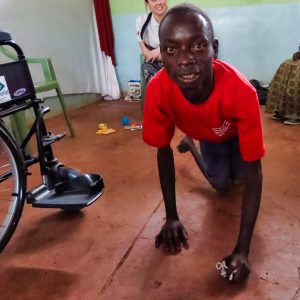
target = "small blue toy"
x: 125, y: 121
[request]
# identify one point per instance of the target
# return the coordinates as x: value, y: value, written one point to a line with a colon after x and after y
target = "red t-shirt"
x: 231, y: 109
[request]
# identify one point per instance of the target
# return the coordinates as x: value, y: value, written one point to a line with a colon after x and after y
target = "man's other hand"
x: 238, y: 267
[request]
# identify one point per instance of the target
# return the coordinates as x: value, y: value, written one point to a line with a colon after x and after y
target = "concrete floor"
x: 107, y: 250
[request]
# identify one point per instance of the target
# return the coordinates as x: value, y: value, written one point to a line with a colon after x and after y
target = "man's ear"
x: 216, y: 48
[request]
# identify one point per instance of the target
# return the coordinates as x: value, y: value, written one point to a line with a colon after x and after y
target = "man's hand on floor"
x: 172, y: 236
x: 236, y: 267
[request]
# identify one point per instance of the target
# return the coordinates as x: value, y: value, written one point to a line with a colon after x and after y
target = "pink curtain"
x: 105, y: 29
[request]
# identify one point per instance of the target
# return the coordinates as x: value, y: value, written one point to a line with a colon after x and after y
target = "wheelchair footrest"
x: 73, y: 194
x: 51, y: 138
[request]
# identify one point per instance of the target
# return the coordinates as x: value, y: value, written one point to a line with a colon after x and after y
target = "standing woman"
x: 147, y: 34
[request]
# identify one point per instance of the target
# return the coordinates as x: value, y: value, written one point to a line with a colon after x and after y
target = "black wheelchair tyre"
x: 12, y: 185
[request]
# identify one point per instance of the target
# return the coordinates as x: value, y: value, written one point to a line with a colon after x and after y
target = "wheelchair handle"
x: 5, y: 39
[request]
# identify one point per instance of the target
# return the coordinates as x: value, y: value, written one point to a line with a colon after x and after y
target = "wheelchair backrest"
x: 15, y: 79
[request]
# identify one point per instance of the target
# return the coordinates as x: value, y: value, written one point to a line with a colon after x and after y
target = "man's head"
x: 188, y: 48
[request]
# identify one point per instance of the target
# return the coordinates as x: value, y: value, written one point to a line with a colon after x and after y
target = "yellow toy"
x: 104, y: 130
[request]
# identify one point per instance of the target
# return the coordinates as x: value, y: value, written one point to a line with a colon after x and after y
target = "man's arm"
x: 172, y: 234
x: 166, y: 170
x: 250, y: 205
x: 238, y: 260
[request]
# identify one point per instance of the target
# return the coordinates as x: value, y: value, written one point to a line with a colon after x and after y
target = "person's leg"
x: 213, y: 161
x: 277, y: 116
x: 147, y: 71
x: 237, y: 164
x: 217, y: 161
x: 150, y: 69
x: 187, y: 144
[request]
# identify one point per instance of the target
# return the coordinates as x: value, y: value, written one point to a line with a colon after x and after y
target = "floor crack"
x: 297, y: 294
x: 109, y: 280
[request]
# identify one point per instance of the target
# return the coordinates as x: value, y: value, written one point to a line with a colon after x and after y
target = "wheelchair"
x: 61, y: 187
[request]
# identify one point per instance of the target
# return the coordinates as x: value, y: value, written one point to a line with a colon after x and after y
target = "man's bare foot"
x: 185, y: 145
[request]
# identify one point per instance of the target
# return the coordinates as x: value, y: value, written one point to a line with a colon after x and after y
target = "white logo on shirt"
x: 221, y: 131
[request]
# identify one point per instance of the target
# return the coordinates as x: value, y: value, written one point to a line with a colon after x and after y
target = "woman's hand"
x: 152, y: 55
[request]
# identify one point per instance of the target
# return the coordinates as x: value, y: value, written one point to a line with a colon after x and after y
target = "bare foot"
x: 185, y: 145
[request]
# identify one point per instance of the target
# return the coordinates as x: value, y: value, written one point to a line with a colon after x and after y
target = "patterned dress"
x: 284, y: 90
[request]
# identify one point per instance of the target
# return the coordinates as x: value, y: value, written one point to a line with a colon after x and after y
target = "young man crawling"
x: 213, y: 103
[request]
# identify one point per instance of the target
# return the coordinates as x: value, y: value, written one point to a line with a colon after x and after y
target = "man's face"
x: 187, y: 53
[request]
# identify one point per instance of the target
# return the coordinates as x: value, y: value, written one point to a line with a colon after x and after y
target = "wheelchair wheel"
x: 12, y: 185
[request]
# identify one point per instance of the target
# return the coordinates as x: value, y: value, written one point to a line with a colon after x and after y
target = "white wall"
x: 62, y: 30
